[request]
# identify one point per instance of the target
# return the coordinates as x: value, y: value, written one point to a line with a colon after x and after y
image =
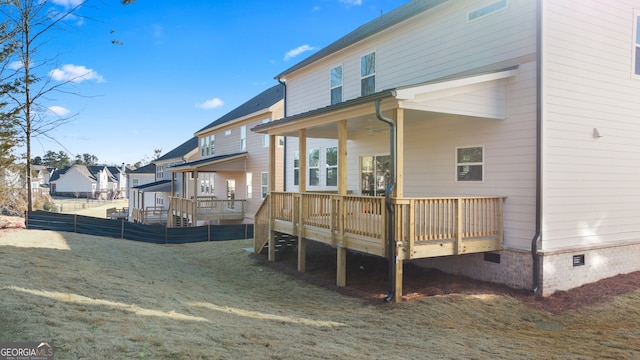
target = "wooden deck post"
x: 298, y: 215
x: 272, y: 240
x: 397, y: 296
x: 341, y: 271
x: 399, y: 170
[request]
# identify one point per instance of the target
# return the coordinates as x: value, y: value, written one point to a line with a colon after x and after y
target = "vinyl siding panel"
x: 433, y: 44
x: 591, y: 191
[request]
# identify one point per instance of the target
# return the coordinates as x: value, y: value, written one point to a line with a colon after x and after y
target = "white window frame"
x: 249, y: 185
x: 296, y: 167
x: 243, y: 138
x: 329, y: 167
x: 465, y: 163
x: 366, y: 76
x: 487, y: 10
x: 635, y: 49
x: 264, y: 184
x: 336, y: 85
x: 265, y: 137
x: 311, y: 167
x: 212, y: 140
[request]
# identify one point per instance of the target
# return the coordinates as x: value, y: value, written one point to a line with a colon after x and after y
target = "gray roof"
x: 374, y: 26
x: 261, y: 101
x: 182, y: 150
x: 147, y: 169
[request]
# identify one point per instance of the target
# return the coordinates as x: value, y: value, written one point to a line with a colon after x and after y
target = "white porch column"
x: 341, y: 271
x: 399, y: 170
x: 302, y: 187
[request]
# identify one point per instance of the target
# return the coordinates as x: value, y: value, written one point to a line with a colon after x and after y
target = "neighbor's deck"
x: 188, y: 212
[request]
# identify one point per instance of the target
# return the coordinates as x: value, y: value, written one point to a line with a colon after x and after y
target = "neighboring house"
x: 150, y: 201
x: 119, y: 181
x: 81, y: 181
x: 506, y: 127
x: 138, y: 177
x: 230, y: 175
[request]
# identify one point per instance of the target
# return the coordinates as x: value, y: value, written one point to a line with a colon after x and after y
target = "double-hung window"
x: 336, y: 85
x: 264, y: 184
x: 314, y: 167
x: 249, y: 185
x: 470, y: 163
x: 265, y: 137
x: 296, y: 168
x: 368, y: 74
x: 332, y: 166
x: 636, y: 43
x: 243, y: 138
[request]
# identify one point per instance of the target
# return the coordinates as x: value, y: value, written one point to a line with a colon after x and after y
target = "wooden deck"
x: 188, y: 212
x: 149, y: 215
x: 424, y: 227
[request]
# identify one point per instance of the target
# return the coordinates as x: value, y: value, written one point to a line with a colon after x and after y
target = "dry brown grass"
x: 101, y: 298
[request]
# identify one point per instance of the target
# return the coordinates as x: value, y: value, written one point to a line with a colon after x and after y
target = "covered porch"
x: 396, y: 226
x: 199, y: 206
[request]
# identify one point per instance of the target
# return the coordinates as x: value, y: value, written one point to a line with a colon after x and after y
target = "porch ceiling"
x: 474, y: 96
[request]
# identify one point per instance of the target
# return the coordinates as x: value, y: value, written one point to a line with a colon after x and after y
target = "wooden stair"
x: 284, y: 244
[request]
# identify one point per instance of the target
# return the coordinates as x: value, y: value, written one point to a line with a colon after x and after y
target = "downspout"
x: 391, y: 241
x: 538, y: 235
x: 284, y: 149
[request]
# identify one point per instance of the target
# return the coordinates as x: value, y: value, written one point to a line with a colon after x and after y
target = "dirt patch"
x: 367, y: 279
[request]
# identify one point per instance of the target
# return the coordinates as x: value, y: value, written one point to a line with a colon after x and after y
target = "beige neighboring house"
x: 505, y: 127
x: 230, y: 177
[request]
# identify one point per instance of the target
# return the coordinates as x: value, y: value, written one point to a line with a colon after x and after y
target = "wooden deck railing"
x: 261, y: 225
x: 149, y: 215
x: 204, y: 208
x: 424, y: 227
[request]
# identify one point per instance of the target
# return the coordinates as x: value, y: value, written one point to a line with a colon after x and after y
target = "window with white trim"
x: 265, y: 137
x: 470, y: 163
x: 487, y: 10
x: 331, y: 161
x: 636, y: 42
x: 314, y: 167
x: 296, y: 168
x: 212, y: 139
x: 207, y: 183
x: 264, y: 184
x: 207, y: 146
x: 368, y: 74
x: 243, y: 138
x: 249, y: 185
x: 134, y: 182
x: 336, y: 85
x: 159, y: 172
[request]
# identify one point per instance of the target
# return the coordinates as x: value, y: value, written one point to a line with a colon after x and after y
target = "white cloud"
x: 297, y: 51
x: 67, y: 3
x: 16, y: 65
x: 351, y: 2
x: 59, y: 110
x: 75, y: 74
x: 211, y: 104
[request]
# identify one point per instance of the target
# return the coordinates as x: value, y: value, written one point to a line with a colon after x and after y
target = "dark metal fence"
x: 123, y: 229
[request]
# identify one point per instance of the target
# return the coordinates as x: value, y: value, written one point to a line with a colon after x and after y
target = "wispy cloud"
x: 351, y: 2
x: 211, y: 104
x: 16, y: 65
x: 75, y: 74
x: 297, y: 51
x: 59, y: 110
x: 67, y: 3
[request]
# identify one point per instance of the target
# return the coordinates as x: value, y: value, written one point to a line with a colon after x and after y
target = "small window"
x: 636, y: 43
x: 227, y: 132
x: 134, y: 182
x: 265, y: 137
x: 489, y: 9
x: 296, y: 168
x: 243, y: 138
x: 368, y: 74
x: 249, y: 185
x: 332, y: 166
x: 336, y: 85
x: 264, y: 184
x: 314, y: 167
x: 469, y: 163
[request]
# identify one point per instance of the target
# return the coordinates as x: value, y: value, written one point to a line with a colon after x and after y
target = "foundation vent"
x: 578, y: 260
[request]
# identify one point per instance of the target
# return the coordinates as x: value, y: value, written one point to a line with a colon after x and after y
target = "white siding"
x: 591, y: 192
x: 436, y: 43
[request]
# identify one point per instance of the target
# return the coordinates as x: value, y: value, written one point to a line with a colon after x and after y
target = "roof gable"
x: 182, y: 150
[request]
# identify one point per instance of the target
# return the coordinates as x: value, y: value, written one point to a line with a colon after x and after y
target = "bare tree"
x: 30, y: 23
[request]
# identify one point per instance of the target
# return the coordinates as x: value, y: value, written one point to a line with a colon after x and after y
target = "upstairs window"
x: 336, y: 85
x: 207, y: 146
x: 368, y: 74
x: 469, y: 163
x: 265, y: 137
x: 636, y: 43
x: 212, y: 139
x: 243, y: 138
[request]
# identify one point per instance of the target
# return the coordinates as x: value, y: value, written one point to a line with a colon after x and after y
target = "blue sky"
x: 181, y: 65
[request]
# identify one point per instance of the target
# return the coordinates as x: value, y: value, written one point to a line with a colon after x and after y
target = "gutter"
x: 538, y: 235
x: 391, y: 241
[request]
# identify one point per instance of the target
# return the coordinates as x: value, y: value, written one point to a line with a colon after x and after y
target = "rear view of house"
x: 498, y: 131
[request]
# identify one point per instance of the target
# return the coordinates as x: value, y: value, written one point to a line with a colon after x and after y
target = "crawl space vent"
x: 578, y: 260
